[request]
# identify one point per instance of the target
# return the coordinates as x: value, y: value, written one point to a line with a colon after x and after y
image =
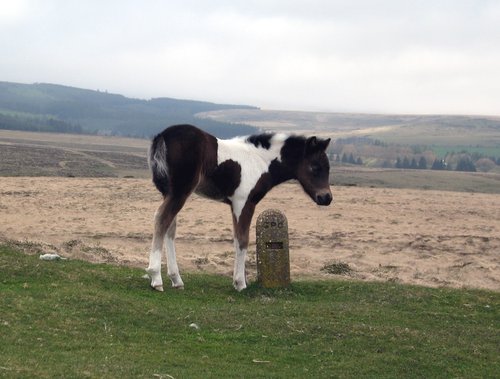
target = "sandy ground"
x: 429, y: 238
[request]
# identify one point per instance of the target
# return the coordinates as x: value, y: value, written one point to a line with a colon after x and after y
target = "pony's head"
x: 314, y: 169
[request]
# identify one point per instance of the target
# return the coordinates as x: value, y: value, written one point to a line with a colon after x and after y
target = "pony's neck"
x: 285, y: 167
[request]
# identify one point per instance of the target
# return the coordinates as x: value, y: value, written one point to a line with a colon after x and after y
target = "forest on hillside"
x: 55, y: 108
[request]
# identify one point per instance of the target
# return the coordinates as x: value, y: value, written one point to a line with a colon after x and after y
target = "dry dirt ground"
x: 429, y: 238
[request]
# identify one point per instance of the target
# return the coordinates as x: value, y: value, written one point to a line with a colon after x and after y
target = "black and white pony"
x: 238, y: 171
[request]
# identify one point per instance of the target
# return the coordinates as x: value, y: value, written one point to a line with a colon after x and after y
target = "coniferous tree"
x: 406, y: 162
x: 413, y: 164
x: 466, y: 164
x: 398, y: 163
x: 439, y: 164
x: 422, y: 163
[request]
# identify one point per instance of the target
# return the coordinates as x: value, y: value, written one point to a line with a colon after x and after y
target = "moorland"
x: 90, y: 197
x: 371, y: 274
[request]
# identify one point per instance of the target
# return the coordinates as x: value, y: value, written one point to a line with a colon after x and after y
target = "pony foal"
x: 239, y: 171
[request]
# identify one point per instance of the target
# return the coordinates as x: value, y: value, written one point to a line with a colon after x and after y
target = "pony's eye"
x: 315, y: 169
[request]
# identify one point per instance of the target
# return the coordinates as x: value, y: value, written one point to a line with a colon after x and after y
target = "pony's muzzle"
x: 324, y: 198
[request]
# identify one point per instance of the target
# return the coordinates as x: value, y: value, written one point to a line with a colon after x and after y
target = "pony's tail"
x: 157, y: 160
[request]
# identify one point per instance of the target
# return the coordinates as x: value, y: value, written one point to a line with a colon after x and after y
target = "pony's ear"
x: 314, y: 144
x: 324, y: 143
x: 311, y: 144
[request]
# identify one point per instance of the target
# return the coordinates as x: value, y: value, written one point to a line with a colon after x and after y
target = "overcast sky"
x: 392, y: 56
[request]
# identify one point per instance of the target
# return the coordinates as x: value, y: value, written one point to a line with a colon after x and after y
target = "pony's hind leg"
x: 173, y: 269
x: 160, y: 228
x: 165, y: 226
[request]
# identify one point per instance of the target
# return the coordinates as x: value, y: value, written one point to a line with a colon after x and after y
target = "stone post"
x: 273, y: 260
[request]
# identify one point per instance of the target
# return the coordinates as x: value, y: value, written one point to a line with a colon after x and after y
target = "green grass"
x: 416, y: 179
x: 75, y: 319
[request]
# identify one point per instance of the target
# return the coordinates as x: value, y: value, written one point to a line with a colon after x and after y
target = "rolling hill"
x: 449, y: 130
x: 57, y: 108
x: 379, y: 141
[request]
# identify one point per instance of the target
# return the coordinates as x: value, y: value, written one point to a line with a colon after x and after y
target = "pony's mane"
x: 265, y: 140
x: 261, y: 140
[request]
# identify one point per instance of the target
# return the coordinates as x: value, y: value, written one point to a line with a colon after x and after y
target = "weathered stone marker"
x: 273, y: 260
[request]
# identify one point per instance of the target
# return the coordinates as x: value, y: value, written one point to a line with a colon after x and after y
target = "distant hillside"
x: 447, y: 130
x: 56, y: 108
x: 451, y: 142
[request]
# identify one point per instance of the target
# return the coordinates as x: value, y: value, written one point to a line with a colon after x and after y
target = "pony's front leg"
x: 241, y: 224
x: 239, y: 277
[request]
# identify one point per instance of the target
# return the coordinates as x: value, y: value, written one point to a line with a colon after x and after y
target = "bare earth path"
x: 421, y: 237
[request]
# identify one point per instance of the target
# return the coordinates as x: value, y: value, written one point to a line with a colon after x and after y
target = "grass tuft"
x: 337, y: 268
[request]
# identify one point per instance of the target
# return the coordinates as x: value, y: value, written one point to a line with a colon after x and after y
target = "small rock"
x: 194, y: 326
x: 51, y: 257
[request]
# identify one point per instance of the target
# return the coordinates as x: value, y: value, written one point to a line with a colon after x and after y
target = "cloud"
x: 387, y: 56
x: 12, y: 12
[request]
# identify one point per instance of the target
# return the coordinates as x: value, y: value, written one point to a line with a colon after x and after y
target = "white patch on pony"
x: 254, y: 162
x: 239, y: 279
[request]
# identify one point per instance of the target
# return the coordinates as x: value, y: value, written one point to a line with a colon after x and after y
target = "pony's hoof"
x: 176, y: 280
x: 239, y: 285
x: 157, y: 288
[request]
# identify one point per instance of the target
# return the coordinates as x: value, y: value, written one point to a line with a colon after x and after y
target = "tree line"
x: 38, y: 124
x: 349, y: 159
x: 464, y: 164
x: 375, y: 153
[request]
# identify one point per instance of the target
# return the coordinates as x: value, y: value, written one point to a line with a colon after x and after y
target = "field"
x: 398, y: 278
x: 80, y: 320
x: 417, y: 179
x: 50, y: 154
x: 433, y: 238
x: 408, y: 226
x: 65, y: 155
